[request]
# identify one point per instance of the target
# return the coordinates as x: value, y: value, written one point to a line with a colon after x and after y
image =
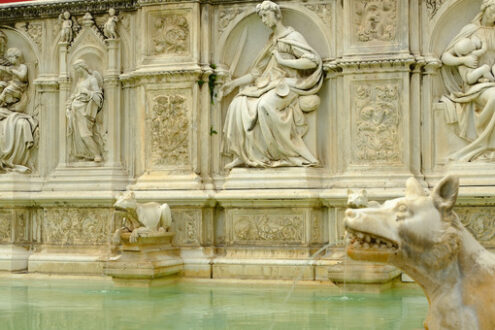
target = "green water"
x: 65, y: 305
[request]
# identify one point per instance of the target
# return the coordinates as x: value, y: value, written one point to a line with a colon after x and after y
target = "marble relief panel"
x: 187, y: 224
x: 77, y: 226
x: 377, y: 130
x: 480, y: 221
x: 169, y: 128
x: 268, y: 226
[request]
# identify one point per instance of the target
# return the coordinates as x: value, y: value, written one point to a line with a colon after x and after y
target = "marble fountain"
x: 153, y: 143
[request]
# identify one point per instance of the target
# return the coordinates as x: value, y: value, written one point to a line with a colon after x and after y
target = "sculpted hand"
x: 227, y: 88
x: 471, y: 61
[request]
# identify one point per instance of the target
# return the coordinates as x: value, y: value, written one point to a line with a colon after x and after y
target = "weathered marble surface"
x: 161, y: 107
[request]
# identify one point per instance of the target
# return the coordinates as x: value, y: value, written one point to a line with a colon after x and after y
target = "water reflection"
x: 37, y: 305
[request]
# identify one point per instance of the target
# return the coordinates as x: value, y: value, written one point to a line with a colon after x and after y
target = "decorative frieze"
x: 77, y: 226
x: 377, y: 130
x: 480, y: 221
x: 5, y: 226
x: 187, y: 226
x: 267, y: 226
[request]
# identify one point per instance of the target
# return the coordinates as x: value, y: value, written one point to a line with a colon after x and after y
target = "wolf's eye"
x: 402, y: 212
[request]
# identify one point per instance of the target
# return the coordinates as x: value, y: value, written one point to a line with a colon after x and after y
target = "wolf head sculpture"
x: 423, y: 236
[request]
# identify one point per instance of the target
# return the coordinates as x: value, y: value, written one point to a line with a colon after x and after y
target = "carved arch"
x: 447, y: 23
x: 309, y: 19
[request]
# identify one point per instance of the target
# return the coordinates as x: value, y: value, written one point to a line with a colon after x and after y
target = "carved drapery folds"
x: 469, y: 78
x: 17, y: 125
x: 83, y: 107
x: 265, y: 122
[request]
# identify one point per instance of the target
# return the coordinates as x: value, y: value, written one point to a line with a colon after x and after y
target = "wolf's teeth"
x: 378, y: 241
x: 360, y: 235
x: 389, y: 245
x: 367, y: 238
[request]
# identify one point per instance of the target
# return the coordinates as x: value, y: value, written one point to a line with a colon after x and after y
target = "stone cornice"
x: 42, y: 9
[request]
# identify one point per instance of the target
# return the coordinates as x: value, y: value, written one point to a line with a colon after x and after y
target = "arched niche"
x: 32, y: 107
x: 17, y: 39
x: 305, y: 22
x: 448, y: 22
x: 302, y: 20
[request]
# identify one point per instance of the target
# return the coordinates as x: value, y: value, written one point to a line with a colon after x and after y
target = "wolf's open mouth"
x: 363, y: 240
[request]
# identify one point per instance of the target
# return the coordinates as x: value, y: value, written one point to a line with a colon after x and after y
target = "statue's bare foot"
x: 236, y: 162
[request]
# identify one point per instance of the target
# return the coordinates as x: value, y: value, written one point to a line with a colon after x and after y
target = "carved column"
x: 64, y: 92
x: 112, y: 97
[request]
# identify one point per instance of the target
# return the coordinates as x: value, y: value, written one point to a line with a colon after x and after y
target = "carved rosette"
x: 376, y: 128
x: 187, y: 226
x: 170, y: 35
x: 375, y: 20
x: 77, y: 226
x: 264, y: 227
x: 480, y: 221
x: 169, y: 130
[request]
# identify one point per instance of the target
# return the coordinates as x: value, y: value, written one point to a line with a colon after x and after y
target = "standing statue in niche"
x: 66, y: 34
x: 110, y: 27
x: 265, y: 123
x: 82, y: 108
x: 469, y: 78
x: 16, y: 127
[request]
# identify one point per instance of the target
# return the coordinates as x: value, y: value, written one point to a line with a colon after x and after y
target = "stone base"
x: 13, y: 258
x: 262, y: 269
x: 150, y: 258
x: 65, y: 263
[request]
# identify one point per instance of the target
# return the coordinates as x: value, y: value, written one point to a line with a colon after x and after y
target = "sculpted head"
x: 269, y: 12
x: 80, y: 66
x: 126, y: 201
x: 488, y: 12
x: 14, y: 55
x: 409, y: 231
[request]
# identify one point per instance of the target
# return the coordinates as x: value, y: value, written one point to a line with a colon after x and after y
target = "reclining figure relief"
x: 142, y: 219
x: 424, y: 237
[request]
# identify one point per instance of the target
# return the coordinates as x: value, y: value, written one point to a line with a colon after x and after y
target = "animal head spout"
x: 126, y: 201
x: 405, y: 230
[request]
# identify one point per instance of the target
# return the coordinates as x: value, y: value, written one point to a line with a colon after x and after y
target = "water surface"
x: 86, y: 305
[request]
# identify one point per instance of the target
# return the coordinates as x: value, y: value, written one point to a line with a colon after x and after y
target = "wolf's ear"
x: 349, y: 192
x: 364, y: 192
x: 445, y: 193
x: 413, y: 188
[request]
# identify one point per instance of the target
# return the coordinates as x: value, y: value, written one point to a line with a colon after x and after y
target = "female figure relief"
x: 16, y: 127
x: 469, y: 77
x: 265, y: 123
x: 82, y: 108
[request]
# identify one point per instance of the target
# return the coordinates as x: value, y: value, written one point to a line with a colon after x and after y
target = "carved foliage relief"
x: 187, y: 226
x: 322, y: 10
x: 433, y: 6
x: 170, y: 34
x: 227, y: 15
x: 377, y: 130
x: 265, y: 227
x: 375, y: 20
x: 77, y: 226
x: 169, y: 120
x: 480, y: 221
x: 5, y: 226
